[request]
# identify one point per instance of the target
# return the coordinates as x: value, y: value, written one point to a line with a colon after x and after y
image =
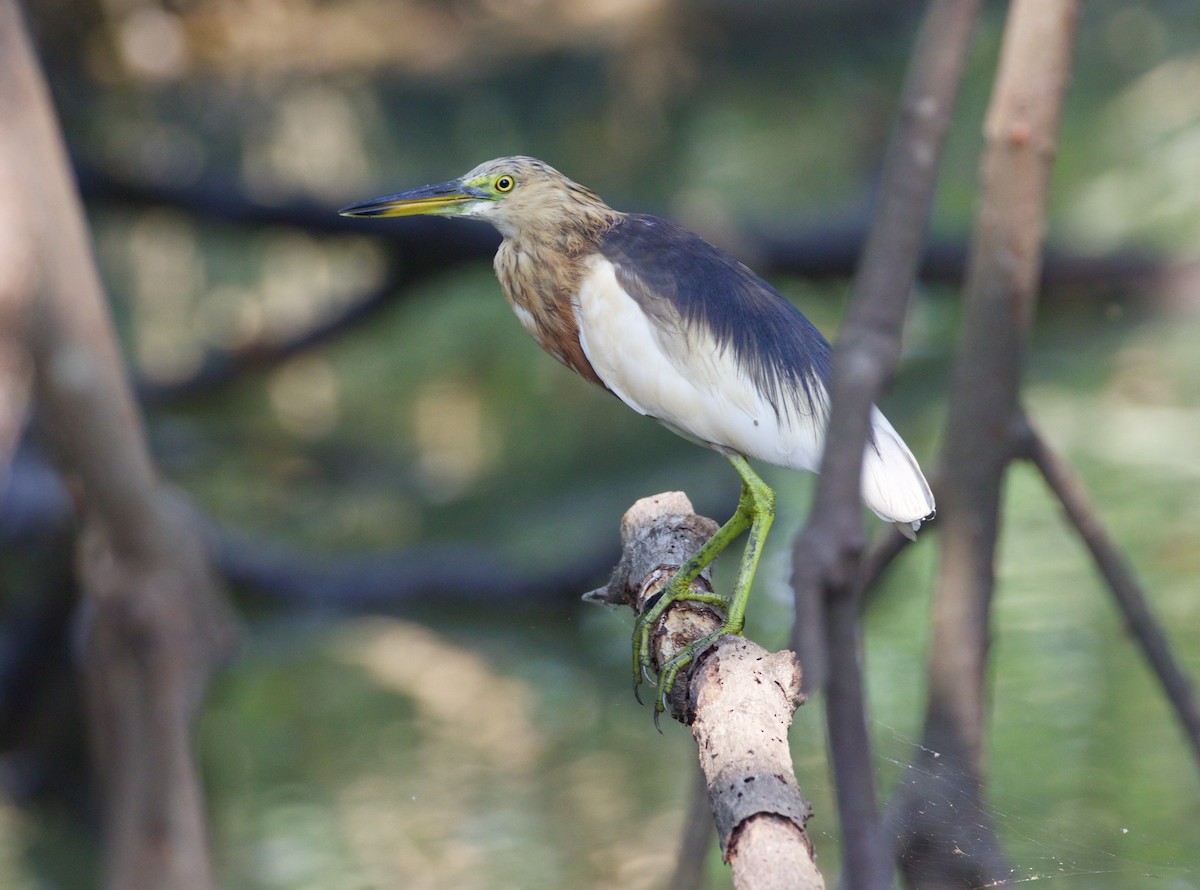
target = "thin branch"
x: 739, y: 700
x: 452, y: 575
x: 35, y: 506
x: 423, y: 241
x: 878, y: 558
x: 1129, y: 594
x: 828, y: 550
x: 221, y: 367
x: 834, y: 252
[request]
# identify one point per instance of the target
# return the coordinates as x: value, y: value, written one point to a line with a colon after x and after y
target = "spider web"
x: 1038, y: 850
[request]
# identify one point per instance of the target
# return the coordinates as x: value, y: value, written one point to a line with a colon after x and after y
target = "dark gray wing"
x: 681, y: 280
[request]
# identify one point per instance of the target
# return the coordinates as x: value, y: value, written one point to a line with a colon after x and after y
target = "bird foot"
x: 648, y: 623
x: 686, y: 656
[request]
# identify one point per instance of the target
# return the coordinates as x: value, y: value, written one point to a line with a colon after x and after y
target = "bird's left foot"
x: 756, y: 510
x: 647, y: 622
x: 680, y: 660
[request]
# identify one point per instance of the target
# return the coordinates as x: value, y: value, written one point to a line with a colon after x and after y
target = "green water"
x: 456, y: 746
x: 485, y: 752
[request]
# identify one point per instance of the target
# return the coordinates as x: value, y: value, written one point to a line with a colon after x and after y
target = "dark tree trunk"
x: 953, y: 843
x: 155, y: 622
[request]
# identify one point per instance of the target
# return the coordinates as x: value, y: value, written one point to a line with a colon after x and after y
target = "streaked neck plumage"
x: 541, y: 266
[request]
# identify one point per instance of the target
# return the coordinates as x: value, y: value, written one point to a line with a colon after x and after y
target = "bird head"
x: 516, y: 195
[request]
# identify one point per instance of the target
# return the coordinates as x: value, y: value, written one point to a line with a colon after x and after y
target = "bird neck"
x: 541, y: 273
x: 566, y: 231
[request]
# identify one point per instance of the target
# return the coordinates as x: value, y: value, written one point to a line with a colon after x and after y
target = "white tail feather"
x: 892, y: 483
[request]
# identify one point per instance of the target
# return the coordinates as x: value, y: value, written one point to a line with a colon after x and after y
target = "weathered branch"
x: 156, y: 622
x: 1021, y: 129
x: 739, y: 700
x: 834, y: 253
x: 827, y: 553
x: 1118, y: 574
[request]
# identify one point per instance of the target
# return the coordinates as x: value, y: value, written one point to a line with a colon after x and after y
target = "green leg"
x: 756, y: 511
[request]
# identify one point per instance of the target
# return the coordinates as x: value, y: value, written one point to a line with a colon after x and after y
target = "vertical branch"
x: 827, y: 552
x: 984, y: 420
x: 156, y: 620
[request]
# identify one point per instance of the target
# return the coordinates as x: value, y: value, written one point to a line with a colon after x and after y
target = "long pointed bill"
x: 445, y: 197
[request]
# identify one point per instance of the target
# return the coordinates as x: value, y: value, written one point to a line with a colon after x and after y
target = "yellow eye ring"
x: 504, y: 183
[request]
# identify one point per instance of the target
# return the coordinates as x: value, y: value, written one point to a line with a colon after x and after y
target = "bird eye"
x: 505, y: 183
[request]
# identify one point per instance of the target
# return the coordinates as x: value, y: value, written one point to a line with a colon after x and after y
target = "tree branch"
x: 826, y: 556
x: 739, y: 700
x: 35, y: 506
x: 1131, y: 598
x: 406, y: 580
x: 983, y: 419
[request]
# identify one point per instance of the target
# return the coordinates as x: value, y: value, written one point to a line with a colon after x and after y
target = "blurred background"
x: 410, y: 497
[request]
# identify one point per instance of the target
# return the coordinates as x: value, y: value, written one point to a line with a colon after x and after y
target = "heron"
x: 679, y: 331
